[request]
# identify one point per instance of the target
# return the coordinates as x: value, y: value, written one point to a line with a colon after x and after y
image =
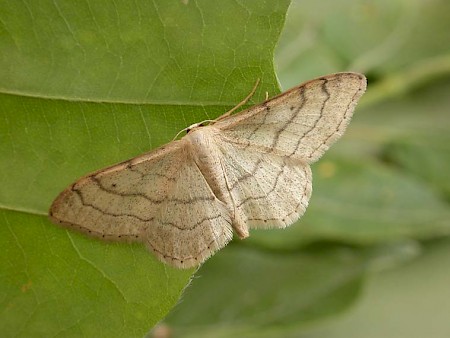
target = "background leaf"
x: 270, y: 293
x: 410, y: 301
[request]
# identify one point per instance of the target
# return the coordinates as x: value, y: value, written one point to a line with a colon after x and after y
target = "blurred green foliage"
x: 85, y: 85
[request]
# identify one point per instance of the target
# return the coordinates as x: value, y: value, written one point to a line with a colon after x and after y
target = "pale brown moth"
x: 241, y: 171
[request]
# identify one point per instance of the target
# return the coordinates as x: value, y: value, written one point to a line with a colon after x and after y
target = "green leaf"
x: 158, y: 52
x: 85, y: 85
x: 410, y: 301
x: 56, y: 282
x: 381, y: 38
x: 244, y: 291
x: 427, y: 158
x: 248, y: 292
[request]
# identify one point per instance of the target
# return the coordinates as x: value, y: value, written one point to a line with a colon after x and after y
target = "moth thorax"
x: 203, y: 145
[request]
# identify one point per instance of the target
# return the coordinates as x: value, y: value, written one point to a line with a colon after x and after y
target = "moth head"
x: 195, y: 125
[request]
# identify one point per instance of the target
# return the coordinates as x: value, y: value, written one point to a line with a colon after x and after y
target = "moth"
x: 241, y: 171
